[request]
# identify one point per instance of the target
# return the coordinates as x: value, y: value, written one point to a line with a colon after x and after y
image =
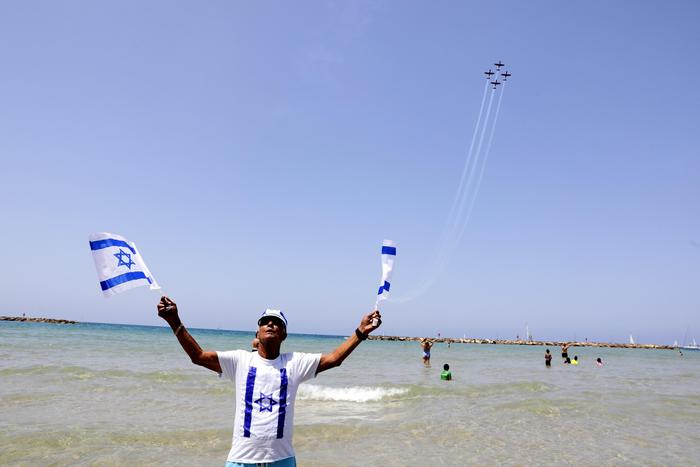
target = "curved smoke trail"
x: 463, y: 201
x: 446, y: 243
x: 470, y: 155
x: 465, y: 195
x: 483, y: 167
x: 456, y: 220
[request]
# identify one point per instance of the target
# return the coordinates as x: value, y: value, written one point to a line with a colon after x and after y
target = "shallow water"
x: 116, y: 395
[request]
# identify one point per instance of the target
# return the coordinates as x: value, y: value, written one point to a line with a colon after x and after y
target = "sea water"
x: 96, y: 394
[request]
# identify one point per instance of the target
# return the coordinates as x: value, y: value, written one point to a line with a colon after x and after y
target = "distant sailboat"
x: 631, y: 339
x: 693, y: 346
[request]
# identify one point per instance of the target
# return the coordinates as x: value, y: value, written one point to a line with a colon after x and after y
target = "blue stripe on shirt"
x: 249, y: 385
x: 283, y: 403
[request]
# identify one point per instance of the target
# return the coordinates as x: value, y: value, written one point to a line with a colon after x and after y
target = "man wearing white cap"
x: 266, y: 383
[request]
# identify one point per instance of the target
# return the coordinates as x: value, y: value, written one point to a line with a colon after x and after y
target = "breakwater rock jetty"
x: 37, y: 320
x: 470, y: 340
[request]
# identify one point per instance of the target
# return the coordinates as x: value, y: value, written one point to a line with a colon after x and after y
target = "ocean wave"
x: 85, y: 373
x: 348, y: 393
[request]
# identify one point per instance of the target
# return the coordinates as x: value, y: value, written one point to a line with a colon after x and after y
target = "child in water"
x: 446, y: 374
x: 598, y: 362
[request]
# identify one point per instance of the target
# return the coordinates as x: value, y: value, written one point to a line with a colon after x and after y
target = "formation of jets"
x: 505, y: 75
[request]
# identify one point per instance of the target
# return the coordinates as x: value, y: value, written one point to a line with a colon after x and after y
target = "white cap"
x: 275, y: 314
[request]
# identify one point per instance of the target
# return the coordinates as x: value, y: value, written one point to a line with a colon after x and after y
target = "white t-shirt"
x: 265, y: 393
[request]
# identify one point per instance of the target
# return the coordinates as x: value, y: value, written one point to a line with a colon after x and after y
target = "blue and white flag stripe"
x: 388, y: 257
x: 119, y: 265
x: 129, y: 276
x: 108, y: 242
x: 389, y: 250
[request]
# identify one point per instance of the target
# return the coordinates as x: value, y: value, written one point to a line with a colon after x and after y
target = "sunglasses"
x: 266, y: 319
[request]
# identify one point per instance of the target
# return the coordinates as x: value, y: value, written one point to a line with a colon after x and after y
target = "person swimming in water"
x: 598, y: 362
x: 565, y: 351
x: 547, y: 358
x: 446, y: 374
x: 575, y: 360
x: 255, y: 343
x: 426, y: 344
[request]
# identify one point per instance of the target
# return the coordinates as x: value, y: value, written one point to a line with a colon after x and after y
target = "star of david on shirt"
x: 120, y: 256
x: 261, y: 402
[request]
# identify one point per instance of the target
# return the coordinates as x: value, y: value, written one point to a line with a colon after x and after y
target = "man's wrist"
x: 360, y: 335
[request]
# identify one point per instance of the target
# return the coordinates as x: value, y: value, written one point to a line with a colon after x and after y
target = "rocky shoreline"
x: 37, y: 320
x: 521, y: 342
x: 443, y: 340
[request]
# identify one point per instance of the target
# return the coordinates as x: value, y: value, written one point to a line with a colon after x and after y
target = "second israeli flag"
x: 388, y: 257
x: 119, y: 265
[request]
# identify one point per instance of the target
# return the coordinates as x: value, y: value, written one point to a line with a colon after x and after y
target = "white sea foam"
x: 349, y: 394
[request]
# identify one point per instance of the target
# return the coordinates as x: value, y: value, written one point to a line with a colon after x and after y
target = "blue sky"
x: 259, y: 152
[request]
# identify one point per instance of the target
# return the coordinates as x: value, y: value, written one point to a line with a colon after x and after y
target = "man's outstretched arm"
x: 167, y: 309
x: 335, y: 358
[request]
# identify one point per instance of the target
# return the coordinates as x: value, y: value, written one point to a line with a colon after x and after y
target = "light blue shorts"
x: 288, y: 462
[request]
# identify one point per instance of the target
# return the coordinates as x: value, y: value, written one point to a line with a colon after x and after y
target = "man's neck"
x: 269, y: 352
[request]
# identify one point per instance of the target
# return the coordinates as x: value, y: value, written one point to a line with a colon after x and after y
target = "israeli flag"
x: 119, y: 265
x: 388, y: 257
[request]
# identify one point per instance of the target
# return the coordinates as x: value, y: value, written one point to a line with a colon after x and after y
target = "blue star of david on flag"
x: 261, y: 402
x: 120, y: 256
x: 107, y: 246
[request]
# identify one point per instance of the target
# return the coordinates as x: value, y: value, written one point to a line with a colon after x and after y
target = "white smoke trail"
x: 470, y: 155
x: 451, y: 237
x: 483, y: 166
x: 447, y: 243
x: 459, y: 221
x: 465, y: 196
